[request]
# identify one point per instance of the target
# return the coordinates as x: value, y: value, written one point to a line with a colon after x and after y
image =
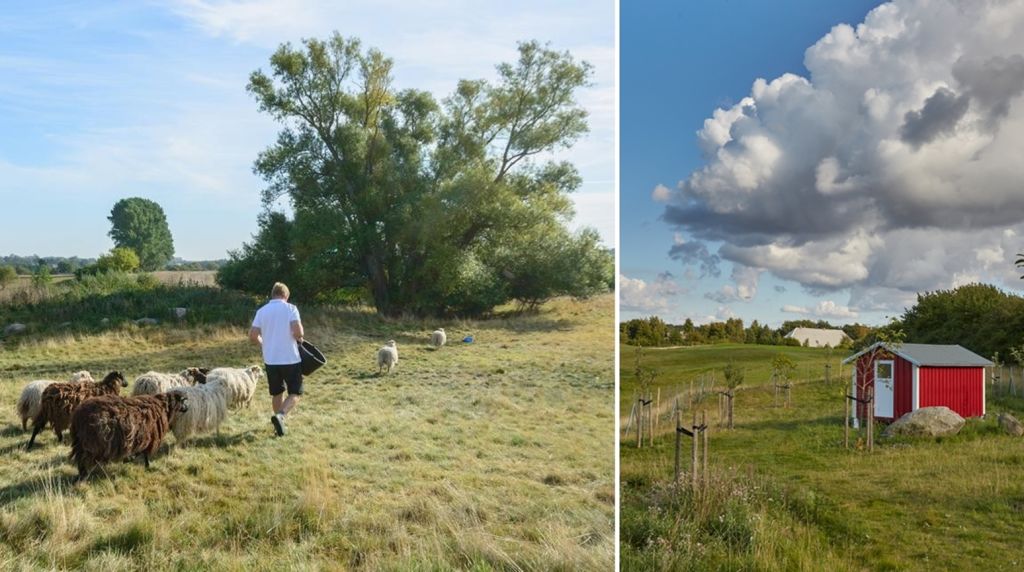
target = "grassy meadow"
x: 785, y: 494
x: 495, y: 455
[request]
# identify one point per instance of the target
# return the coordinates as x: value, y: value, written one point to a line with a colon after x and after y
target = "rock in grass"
x: 146, y: 322
x: 1011, y: 425
x: 926, y: 422
x: 14, y: 328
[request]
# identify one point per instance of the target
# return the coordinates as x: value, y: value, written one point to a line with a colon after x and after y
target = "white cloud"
x: 825, y: 309
x: 637, y: 295
x: 746, y: 279
x: 894, y: 166
x: 661, y: 193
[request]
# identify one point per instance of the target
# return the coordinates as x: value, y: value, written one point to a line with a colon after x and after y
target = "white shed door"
x: 884, y: 388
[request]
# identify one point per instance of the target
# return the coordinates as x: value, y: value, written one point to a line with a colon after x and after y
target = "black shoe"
x: 278, y: 422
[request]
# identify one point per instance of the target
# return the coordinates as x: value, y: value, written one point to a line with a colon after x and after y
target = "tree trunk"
x: 379, y: 285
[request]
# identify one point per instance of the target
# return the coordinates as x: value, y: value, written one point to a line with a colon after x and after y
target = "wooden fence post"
x: 846, y: 422
x: 640, y: 423
x: 693, y: 455
x: 679, y: 441
x: 657, y: 411
x: 651, y: 414
x: 704, y: 464
x: 871, y: 419
x: 732, y: 394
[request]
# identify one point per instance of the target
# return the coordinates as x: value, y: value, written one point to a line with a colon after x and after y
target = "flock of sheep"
x: 106, y: 426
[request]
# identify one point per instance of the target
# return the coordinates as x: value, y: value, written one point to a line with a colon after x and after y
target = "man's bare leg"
x: 288, y: 404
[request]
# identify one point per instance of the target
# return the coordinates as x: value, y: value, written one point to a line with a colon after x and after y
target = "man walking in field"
x: 278, y: 330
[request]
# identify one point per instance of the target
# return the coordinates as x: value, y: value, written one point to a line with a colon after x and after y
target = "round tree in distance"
x: 140, y: 224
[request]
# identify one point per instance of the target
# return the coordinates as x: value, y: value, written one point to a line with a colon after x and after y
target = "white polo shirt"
x: 274, y: 321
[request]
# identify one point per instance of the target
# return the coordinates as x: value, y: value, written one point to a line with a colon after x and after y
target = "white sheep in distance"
x: 239, y: 384
x: 32, y: 396
x: 207, y: 409
x: 387, y: 357
x: 438, y: 338
x: 154, y: 382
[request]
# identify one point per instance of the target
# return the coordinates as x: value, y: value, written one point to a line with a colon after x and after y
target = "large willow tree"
x: 436, y: 209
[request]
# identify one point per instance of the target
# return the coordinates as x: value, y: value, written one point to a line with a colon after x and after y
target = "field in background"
x: 495, y: 455
x: 679, y: 367
x: 25, y: 282
x: 169, y: 277
x: 785, y: 495
x: 195, y: 277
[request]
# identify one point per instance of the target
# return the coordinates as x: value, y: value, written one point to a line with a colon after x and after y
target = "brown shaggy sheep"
x: 61, y: 399
x: 111, y: 427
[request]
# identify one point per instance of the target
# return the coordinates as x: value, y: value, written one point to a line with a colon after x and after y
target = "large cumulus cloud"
x: 894, y: 167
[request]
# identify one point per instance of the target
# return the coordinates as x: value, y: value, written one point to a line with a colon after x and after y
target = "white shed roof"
x: 948, y: 355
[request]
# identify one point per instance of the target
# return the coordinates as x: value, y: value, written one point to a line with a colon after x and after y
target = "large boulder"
x: 15, y: 328
x: 926, y: 422
x: 1011, y: 425
x: 146, y: 322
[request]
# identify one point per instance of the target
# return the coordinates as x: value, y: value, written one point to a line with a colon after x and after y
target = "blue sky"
x: 104, y: 100
x: 810, y: 199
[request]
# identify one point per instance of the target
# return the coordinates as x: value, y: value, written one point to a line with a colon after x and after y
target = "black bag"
x: 312, y: 358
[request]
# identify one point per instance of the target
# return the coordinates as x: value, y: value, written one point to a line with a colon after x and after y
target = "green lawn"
x: 787, y: 496
x: 495, y: 455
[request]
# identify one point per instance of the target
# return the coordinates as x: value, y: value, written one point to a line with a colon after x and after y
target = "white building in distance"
x: 818, y: 337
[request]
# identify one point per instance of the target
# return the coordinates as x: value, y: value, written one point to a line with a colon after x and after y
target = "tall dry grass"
x: 495, y: 455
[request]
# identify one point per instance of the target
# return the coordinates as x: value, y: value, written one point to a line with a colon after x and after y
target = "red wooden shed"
x: 907, y: 377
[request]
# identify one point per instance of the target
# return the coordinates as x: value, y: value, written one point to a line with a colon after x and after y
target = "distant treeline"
x: 979, y: 317
x: 28, y: 265
x: 653, y: 331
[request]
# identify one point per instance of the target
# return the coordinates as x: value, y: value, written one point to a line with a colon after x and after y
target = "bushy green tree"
x: 140, y: 224
x: 119, y: 259
x: 436, y: 209
x: 783, y: 366
x: 265, y: 260
x: 7, y: 276
x: 42, y: 277
x: 980, y: 317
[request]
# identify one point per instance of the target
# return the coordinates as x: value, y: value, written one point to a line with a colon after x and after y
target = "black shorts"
x: 279, y: 375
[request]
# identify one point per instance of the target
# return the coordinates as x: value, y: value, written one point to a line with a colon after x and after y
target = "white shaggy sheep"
x: 207, y: 409
x: 438, y: 338
x: 32, y: 396
x: 154, y: 382
x: 387, y: 357
x: 239, y: 384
